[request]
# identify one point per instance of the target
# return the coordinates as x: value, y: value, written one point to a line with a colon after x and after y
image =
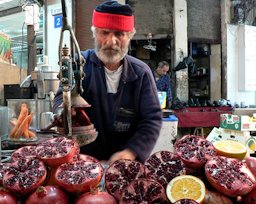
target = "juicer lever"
x: 71, y: 72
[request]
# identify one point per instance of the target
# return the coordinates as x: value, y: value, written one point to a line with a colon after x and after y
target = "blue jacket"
x: 131, y: 118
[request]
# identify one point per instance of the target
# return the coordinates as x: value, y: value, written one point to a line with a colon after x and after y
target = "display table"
x: 200, y: 116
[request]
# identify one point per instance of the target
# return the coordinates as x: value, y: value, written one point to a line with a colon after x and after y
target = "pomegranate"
x: 188, y: 201
x: 194, y: 150
x: 250, y: 198
x: 48, y: 195
x: 56, y: 151
x: 52, y: 171
x: 6, y: 197
x: 24, y: 176
x: 214, y: 197
x: 229, y: 176
x: 79, y: 176
x: 84, y: 157
x: 251, y: 163
x: 96, y: 197
x: 24, y: 152
x: 3, y: 168
x: 119, y: 175
x: 163, y: 166
x: 143, y: 191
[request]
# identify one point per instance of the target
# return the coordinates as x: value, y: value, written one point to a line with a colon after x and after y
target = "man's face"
x: 111, y: 46
x: 163, y: 71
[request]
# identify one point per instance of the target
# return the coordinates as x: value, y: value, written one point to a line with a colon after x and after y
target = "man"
x: 163, y: 81
x: 125, y: 109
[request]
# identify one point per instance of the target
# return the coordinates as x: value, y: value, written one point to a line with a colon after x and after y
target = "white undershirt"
x: 113, y: 78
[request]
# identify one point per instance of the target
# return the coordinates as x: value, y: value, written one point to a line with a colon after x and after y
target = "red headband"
x: 112, y: 21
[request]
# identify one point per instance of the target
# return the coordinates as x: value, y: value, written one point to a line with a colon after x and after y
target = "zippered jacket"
x: 130, y: 118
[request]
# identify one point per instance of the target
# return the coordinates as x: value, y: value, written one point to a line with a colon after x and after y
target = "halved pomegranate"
x: 24, y: 176
x: 56, y: 151
x: 229, y: 176
x: 24, y: 152
x: 79, y: 176
x: 120, y: 174
x: 163, y: 166
x: 48, y: 195
x: 143, y: 191
x: 194, y: 150
x: 3, y: 168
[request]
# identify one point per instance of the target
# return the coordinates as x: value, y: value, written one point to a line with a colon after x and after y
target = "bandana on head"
x: 114, y: 16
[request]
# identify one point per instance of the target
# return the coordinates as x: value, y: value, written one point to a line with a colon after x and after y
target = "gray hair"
x: 162, y: 64
x: 130, y: 33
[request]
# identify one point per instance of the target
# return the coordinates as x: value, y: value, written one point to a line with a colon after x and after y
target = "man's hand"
x: 125, y: 154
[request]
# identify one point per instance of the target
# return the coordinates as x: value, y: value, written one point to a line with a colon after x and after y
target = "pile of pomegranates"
x: 54, y: 171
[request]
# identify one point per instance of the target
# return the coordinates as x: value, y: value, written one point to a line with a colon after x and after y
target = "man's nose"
x: 112, y: 39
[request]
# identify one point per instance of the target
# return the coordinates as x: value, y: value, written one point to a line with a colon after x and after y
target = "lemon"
x: 185, y: 187
x: 231, y: 149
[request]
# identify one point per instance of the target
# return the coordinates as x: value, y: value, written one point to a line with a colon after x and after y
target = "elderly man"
x: 120, y: 88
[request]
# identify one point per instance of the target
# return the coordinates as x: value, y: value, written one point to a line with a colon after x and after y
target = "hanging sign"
x: 58, y: 21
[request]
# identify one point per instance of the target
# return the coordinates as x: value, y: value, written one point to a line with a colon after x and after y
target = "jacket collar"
x: 128, y: 69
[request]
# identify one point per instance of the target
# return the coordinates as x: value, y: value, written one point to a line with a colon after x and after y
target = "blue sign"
x: 58, y: 21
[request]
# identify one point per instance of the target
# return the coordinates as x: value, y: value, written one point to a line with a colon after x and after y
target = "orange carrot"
x: 26, y: 128
x: 23, y: 126
x: 31, y: 134
x: 23, y: 114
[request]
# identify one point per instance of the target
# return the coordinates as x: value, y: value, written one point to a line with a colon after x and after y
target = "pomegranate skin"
x: 229, y: 176
x: 96, y: 198
x: 251, y: 163
x: 48, y: 195
x: 6, y: 197
x: 250, y: 198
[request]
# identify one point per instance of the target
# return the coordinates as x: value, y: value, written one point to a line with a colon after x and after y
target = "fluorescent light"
x: 4, y: 1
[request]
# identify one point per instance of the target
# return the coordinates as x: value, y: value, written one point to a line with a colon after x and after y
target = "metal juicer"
x: 71, y: 74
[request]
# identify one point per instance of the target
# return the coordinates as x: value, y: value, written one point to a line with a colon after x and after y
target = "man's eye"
x: 119, y: 34
x: 105, y: 33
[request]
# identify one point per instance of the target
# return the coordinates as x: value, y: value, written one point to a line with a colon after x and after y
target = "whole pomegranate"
x: 187, y: 201
x: 143, y: 191
x: 229, y: 176
x: 24, y: 152
x: 48, y: 195
x: 6, y: 197
x: 250, y: 198
x: 120, y: 174
x: 251, y: 163
x: 24, y: 176
x: 56, y: 151
x: 194, y: 150
x: 163, y: 166
x: 214, y: 197
x: 96, y: 197
x: 79, y: 176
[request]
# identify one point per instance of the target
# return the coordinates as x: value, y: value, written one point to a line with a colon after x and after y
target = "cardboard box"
x: 218, y: 134
x: 243, y: 137
x: 236, y: 122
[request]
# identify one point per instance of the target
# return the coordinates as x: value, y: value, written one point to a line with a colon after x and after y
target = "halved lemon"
x: 185, y: 187
x: 230, y: 148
